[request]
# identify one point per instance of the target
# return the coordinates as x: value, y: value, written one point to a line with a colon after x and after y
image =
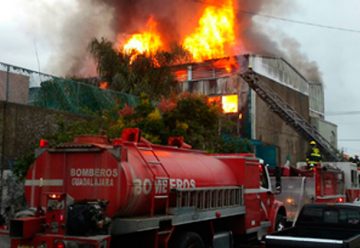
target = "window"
x: 354, y: 177
x: 264, y: 183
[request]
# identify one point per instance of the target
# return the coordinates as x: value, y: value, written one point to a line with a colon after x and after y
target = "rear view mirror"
x: 277, y: 180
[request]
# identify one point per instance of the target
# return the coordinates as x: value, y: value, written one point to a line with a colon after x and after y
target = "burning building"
x: 272, y: 137
x: 214, y: 41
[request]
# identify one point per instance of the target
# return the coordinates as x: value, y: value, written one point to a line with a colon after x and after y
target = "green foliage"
x: 135, y: 73
x: 108, y: 62
x: 194, y: 119
x: 22, y: 164
x: 233, y: 144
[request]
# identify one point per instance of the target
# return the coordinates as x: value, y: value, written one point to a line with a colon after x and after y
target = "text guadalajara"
x: 100, y: 177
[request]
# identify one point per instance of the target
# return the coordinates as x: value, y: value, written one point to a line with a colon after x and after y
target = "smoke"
x: 256, y: 39
x: 175, y: 18
x: 71, y: 25
x: 68, y: 27
x: 300, y: 61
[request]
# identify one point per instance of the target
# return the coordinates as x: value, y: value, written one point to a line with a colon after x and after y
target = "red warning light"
x: 43, y: 143
x: 59, y: 244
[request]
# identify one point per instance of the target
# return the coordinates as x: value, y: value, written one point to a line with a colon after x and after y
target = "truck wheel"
x: 280, y: 222
x: 187, y: 240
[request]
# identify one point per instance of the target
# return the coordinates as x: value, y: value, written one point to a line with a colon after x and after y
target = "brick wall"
x: 22, y: 126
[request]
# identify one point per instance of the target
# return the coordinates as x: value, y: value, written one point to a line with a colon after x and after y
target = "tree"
x: 108, y: 61
x: 135, y: 73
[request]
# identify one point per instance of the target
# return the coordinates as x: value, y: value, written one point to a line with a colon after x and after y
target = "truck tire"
x: 280, y: 222
x: 187, y: 240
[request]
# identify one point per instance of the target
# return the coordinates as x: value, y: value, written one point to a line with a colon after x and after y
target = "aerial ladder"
x: 289, y: 115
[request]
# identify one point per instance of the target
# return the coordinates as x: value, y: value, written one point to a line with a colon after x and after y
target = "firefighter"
x: 313, y: 156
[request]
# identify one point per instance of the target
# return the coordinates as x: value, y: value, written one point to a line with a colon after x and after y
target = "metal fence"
x: 24, y: 86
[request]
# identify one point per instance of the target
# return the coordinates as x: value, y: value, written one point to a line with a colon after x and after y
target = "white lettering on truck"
x: 96, y: 177
x: 162, y: 186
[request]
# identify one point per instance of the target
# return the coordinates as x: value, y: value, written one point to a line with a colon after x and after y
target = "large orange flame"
x: 147, y: 42
x: 212, y: 38
x: 214, y: 34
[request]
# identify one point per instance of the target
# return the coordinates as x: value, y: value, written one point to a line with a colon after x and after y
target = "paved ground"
x: 4, y: 241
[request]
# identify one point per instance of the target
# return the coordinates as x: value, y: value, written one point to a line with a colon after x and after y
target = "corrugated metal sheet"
x: 316, y: 100
x: 280, y: 71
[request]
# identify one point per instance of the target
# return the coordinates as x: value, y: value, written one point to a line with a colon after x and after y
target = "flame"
x: 214, y: 33
x: 104, y: 85
x: 212, y: 38
x: 228, y: 64
x: 147, y: 42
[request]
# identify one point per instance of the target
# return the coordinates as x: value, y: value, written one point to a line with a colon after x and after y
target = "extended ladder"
x: 289, y: 115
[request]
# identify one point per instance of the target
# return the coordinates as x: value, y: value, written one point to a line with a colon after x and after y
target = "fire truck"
x: 329, y: 182
x: 352, y: 179
x: 299, y: 186
x: 95, y: 193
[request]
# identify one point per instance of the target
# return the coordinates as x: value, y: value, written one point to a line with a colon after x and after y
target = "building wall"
x: 271, y: 129
x: 267, y: 127
x: 280, y: 71
x: 18, y: 90
x: 22, y: 126
x: 327, y: 129
x: 316, y: 99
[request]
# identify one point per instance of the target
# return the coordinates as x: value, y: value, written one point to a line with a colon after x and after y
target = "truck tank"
x: 133, y: 175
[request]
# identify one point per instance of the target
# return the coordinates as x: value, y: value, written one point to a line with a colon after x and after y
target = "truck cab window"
x: 264, y: 182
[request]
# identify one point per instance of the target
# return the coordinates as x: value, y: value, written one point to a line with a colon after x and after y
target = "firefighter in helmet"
x: 313, y: 156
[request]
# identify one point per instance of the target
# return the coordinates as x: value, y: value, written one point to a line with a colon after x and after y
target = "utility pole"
x: 2, y: 159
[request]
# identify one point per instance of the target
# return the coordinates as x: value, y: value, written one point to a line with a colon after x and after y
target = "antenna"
x: 37, y: 60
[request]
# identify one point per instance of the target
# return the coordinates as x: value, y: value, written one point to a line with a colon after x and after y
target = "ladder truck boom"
x: 289, y: 115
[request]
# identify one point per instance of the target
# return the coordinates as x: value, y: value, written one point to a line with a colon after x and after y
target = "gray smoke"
x: 257, y: 40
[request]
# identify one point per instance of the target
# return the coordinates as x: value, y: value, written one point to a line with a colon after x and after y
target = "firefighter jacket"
x: 313, y: 156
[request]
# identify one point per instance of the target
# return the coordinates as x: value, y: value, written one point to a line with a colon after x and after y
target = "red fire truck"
x: 352, y: 179
x: 130, y: 193
x: 299, y: 186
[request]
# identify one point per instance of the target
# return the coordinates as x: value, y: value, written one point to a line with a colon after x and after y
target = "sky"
x: 26, y: 41
x: 336, y: 53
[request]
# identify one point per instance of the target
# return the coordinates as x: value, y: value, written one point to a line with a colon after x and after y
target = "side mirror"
x: 277, y: 180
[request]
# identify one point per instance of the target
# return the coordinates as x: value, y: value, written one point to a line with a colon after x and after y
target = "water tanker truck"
x: 95, y: 193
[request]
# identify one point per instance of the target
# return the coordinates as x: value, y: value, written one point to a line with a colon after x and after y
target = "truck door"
x: 265, y: 192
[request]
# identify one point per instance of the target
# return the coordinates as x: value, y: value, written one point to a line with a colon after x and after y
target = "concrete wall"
x: 22, y: 126
x: 18, y: 90
x: 327, y: 129
x: 271, y: 129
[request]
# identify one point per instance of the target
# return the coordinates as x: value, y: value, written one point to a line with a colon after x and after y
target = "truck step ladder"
x: 289, y: 115
x: 160, y: 177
